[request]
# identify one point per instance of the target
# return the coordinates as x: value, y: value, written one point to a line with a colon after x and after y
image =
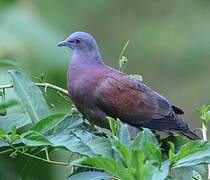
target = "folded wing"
x: 120, y: 96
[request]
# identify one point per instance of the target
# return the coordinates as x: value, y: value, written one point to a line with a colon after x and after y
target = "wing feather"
x: 136, y: 104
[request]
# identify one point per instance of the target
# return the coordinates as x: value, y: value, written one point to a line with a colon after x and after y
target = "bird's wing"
x: 177, y: 110
x: 120, y: 96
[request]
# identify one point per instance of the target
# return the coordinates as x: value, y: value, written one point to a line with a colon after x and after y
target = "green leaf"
x: 147, y: 142
x: 154, y: 172
x: 120, y: 131
x: 193, y: 153
x: 123, y: 135
x: 7, y: 62
x: 142, y: 137
x: 153, y: 152
x: 205, y: 114
x: 82, y: 142
x: 137, y: 162
x: 188, y: 173
x: 171, y: 154
x: 122, y: 62
x: 14, y: 135
x: 178, y: 142
x: 30, y: 95
x: 90, y: 175
x: 146, y: 170
x: 71, y: 143
x: 98, y: 145
x: 69, y: 124
x: 3, y: 134
x: 33, y: 138
x: 114, y: 125
x: 17, y: 119
x: 3, y: 143
x: 8, y: 104
x: 110, y: 166
x: 49, y: 123
x: 124, y: 152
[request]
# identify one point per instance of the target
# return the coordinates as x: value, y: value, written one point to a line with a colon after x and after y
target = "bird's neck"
x: 86, y: 57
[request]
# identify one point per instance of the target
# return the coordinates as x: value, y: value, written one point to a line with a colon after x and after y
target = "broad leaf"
x: 70, y: 123
x: 153, y: 172
x: 83, y: 142
x: 178, y: 142
x: 18, y: 120
x: 120, y: 130
x: 146, y: 170
x: 152, y: 152
x: 30, y: 95
x: 98, y: 145
x: 123, y: 135
x: 8, y: 104
x: 71, y: 143
x: 7, y: 62
x: 90, y: 175
x: 188, y: 173
x: 33, y: 138
x: 193, y: 153
x: 110, y: 166
x: 126, y: 155
x: 3, y: 134
x: 49, y: 123
x: 142, y: 137
x: 3, y: 143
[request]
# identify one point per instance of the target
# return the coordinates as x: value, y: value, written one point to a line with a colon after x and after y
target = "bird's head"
x: 81, y: 42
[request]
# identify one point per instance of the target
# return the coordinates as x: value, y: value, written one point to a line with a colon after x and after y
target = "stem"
x: 45, y: 85
x: 204, y: 131
x: 6, y: 151
x: 16, y: 149
x: 9, y: 150
x: 42, y: 159
x: 123, y: 49
x: 47, y: 154
x: 51, y: 86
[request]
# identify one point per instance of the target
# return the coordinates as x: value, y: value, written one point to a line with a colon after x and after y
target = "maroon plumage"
x: 98, y: 90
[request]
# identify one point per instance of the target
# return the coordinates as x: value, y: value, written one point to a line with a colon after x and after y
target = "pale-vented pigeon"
x: 98, y: 90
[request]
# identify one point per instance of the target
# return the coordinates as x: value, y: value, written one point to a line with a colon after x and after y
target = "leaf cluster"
x: 100, y: 154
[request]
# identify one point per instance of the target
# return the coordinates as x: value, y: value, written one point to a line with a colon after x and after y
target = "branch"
x: 42, y: 159
x: 45, y: 85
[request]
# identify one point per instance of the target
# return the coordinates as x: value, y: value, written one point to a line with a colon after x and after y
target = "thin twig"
x: 47, y: 154
x: 6, y: 151
x: 9, y: 150
x: 123, y: 49
x: 42, y: 159
x: 45, y: 85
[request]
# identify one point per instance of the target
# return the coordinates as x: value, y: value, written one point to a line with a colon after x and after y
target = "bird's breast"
x: 82, y: 82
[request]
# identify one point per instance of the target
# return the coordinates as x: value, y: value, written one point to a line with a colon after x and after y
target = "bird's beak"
x: 63, y: 43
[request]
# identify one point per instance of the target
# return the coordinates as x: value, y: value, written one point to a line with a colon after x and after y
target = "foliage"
x: 102, y: 154
x: 204, y: 112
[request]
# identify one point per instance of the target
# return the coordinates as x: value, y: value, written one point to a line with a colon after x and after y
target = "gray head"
x: 82, y: 43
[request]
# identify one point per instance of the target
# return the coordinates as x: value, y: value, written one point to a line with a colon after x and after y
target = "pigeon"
x: 98, y: 90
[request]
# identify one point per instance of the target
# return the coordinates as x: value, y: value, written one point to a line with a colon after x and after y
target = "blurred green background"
x: 169, y: 46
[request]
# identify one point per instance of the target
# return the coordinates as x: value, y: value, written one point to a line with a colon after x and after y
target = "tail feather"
x: 190, y: 135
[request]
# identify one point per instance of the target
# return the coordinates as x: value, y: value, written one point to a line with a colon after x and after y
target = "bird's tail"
x: 191, y: 135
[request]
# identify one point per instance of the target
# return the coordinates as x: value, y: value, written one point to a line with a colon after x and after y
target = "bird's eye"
x: 77, y: 41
